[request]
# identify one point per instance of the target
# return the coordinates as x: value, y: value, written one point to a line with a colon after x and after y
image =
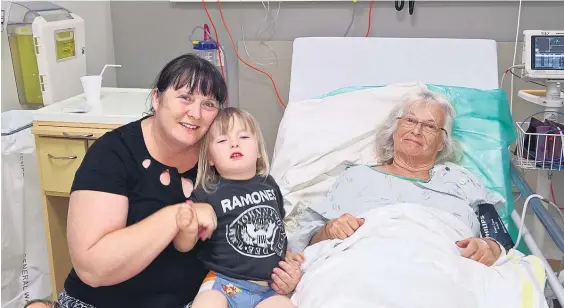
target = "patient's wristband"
x: 503, y: 252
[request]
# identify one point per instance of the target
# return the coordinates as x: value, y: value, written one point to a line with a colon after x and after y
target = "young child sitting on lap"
x: 238, y: 211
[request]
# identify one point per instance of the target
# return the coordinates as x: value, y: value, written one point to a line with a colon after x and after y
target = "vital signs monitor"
x: 543, y: 54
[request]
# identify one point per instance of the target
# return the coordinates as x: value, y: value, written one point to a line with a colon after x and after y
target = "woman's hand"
x: 343, y: 227
x: 480, y: 250
x: 187, y: 222
x: 286, y: 277
x: 186, y: 218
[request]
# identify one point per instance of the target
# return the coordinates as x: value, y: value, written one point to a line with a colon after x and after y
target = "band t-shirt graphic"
x: 250, y: 238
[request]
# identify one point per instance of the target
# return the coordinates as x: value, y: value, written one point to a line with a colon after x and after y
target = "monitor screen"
x: 547, y: 53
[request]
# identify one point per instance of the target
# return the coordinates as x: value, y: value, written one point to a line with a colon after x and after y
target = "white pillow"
x: 318, y: 138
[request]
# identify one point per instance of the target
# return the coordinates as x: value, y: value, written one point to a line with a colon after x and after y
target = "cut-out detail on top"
x: 187, y: 187
x: 165, y: 178
x: 146, y: 163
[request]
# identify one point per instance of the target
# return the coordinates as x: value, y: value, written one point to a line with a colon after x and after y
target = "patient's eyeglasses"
x: 410, y: 122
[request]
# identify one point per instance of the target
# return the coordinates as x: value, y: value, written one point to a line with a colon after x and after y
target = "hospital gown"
x: 361, y: 188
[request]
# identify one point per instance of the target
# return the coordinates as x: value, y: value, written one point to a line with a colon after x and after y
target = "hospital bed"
x: 325, y: 65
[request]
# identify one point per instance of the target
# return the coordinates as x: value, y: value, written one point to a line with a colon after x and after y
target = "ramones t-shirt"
x: 250, y: 238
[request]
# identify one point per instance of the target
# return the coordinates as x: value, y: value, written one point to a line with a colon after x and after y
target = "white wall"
x: 99, y: 47
x: 143, y: 45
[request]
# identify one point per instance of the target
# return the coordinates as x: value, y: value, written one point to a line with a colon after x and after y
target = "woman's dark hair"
x: 198, y: 74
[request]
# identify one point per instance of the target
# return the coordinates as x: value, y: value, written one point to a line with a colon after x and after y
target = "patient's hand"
x: 295, y: 257
x: 479, y: 250
x: 343, y: 226
x: 286, y: 277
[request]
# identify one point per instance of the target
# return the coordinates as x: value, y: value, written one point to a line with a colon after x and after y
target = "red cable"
x: 239, y: 57
x: 554, y: 197
x: 216, y: 36
x: 369, y: 18
x: 218, y: 46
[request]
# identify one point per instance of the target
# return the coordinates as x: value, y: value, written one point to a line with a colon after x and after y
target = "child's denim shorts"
x: 241, y: 293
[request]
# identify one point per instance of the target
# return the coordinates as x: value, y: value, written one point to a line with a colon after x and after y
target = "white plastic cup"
x: 92, y: 86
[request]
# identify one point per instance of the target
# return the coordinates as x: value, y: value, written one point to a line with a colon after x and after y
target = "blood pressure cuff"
x: 492, y: 226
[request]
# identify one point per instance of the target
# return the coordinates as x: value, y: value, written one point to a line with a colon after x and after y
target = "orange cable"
x: 554, y: 198
x: 369, y: 18
x: 239, y: 57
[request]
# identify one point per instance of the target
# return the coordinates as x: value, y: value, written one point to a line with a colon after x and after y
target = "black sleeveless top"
x: 114, y: 164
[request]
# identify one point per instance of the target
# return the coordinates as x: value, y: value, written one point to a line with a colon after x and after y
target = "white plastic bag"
x: 25, y: 264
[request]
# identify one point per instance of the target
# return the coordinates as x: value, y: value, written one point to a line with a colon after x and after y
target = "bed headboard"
x: 323, y: 64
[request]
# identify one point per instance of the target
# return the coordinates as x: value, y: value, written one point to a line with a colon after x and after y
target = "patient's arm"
x: 483, y: 250
x: 340, y: 228
x: 343, y: 197
x: 310, y: 223
x: 320, y: 236
x: 495, y: 247
x: 297, y: 258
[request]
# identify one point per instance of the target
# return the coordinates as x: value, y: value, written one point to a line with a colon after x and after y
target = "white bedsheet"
x: 405, y: 256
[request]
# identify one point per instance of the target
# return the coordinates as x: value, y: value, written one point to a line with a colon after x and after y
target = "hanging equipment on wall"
x: 400, y: 3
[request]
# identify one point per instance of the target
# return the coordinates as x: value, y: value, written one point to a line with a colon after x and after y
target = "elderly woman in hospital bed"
x: 405, y: 232
x: 413, y: 145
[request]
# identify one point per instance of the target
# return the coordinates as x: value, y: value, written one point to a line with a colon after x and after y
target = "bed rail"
x: 552, y: 228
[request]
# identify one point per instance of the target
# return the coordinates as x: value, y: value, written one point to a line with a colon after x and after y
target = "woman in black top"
x: 126, y: 193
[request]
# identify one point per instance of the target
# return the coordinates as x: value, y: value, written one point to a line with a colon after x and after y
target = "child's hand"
x: 296, y: 258
x: 186, y: 218
x: 207, y: 220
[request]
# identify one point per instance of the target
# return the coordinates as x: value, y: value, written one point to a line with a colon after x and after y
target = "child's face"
x: 235, y: 154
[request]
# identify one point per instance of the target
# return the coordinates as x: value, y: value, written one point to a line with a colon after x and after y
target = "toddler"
x: 238, y: 211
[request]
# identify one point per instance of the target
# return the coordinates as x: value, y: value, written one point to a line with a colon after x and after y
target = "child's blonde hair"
x: 208, y: 177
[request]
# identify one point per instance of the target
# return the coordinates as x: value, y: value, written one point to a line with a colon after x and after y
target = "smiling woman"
x: 185, y: 100
x: 417, y: 135
x: 128, y: 190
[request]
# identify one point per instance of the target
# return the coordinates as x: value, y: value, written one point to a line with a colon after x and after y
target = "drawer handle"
x: 61, y: 157
x: 77, y: 136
